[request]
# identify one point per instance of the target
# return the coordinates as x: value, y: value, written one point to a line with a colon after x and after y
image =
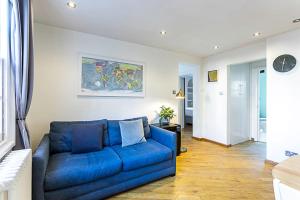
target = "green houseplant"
x: 166, y: 114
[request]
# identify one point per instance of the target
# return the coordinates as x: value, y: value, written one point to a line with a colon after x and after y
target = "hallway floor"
x: 262, y: 130
x: 212, y: 172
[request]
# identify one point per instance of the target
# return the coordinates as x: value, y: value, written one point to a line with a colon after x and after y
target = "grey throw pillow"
x: 132, y: 132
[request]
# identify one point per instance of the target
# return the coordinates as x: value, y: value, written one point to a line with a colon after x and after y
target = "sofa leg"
x: 172, y: 175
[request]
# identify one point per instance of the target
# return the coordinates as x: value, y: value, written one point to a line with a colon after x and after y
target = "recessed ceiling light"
x: 216, y: 47
x: 71, y: 4
x: 163, y: 32
x: 256, y: 34
x: 296, y: 20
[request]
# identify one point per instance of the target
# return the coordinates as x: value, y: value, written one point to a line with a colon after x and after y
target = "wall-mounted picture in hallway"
x: 102, y: 76
x: 213, y: 76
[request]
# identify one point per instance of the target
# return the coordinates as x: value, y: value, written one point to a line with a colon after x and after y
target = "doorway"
x: 247, y: 102
x: 186, y: 84
x: 189, y: 108
x: 262, y: 105
x: 259, y: 102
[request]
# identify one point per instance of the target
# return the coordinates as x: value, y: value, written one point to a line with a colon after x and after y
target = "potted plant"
x: 166, y: 114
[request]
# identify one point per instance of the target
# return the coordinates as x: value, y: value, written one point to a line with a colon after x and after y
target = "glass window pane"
x: 190, y: 83
x: 190, y: 104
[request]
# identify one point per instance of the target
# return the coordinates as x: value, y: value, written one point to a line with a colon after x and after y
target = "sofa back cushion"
x: 132, y: 132
x: 61, y: 134
x: 114, y: 131
x: 87, y: 138
x: 60, y: 142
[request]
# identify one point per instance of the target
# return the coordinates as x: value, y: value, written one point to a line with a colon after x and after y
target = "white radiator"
x: 15, y: 176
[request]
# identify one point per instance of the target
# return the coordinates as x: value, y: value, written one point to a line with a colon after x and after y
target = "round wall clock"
x: 284, y: 63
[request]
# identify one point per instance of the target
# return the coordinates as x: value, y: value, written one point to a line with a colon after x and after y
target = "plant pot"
x: 164, y: 121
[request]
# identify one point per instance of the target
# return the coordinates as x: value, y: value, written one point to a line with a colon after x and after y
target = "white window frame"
x: 8, y: 98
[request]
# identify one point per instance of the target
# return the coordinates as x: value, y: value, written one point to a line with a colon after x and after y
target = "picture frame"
x: 110, y: 77
x: 213, y: 76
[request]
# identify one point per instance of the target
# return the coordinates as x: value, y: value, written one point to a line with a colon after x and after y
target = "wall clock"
x: 284, y: 63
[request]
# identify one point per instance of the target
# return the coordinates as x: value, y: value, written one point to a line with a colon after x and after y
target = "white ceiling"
x: 193, y: 26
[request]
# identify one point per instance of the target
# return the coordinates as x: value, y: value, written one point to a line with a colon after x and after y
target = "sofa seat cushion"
x: 66, y: 169
x: 143, y: 154
x: 113, y: 184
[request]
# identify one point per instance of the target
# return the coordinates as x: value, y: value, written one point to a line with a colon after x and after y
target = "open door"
x: 238, y: 100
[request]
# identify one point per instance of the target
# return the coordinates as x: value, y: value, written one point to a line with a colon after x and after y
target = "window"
x: 7, y: 99
x: 189, y: 92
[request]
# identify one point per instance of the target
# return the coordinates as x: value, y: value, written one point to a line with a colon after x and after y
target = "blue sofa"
x: 97, y: 175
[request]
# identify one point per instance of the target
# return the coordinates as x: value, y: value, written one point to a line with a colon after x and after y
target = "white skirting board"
x: 15, y: 175
x: 284, y: 192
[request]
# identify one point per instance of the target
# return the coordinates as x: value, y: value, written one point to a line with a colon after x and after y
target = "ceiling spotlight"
x: 216, y: 47
x: 257, y: 34
x: 163, y: 32
x: 296, y: 20
x: 71, y: 4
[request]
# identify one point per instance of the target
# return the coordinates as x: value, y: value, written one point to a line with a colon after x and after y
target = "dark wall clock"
x: 284, y: 63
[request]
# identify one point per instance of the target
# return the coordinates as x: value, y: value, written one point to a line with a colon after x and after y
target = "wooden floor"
x: 211, y: 172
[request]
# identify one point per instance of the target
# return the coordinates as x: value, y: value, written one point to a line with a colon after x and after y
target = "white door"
x: 239, y: 94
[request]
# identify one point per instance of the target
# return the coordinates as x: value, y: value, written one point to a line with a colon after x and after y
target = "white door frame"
x: 254, y: 103
x: 181, y: 107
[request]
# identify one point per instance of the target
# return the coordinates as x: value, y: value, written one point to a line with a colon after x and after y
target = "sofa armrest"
x: 164, y: 137
x: 39, y: 165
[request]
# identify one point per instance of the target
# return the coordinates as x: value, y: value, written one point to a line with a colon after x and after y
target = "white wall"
x: 283, y: 95
x: 283, y: 98
x: 56, y: 79
x: 214, y: 94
